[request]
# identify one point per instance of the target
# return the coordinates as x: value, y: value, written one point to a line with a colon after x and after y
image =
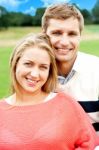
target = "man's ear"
x: 42, y: 30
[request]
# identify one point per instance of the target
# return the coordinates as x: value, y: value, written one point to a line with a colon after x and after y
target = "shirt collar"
x: 78, y: 64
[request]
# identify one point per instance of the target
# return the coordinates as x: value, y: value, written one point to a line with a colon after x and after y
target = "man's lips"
x: 62, y: 51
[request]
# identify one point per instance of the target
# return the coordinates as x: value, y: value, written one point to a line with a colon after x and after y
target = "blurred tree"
x: 3, y: 18
x: 27, y: 20
x: 20, y: 19
x: 3, y: 11
x: 95, y: 12
x: 38, y: 16
x: 87, y: 16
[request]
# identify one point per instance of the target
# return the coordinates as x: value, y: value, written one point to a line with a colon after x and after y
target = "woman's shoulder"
x: 69, y: 101
x: 2, y: 100
x: 67, y: 97
x: 6, y: 100
x: 2, y: 103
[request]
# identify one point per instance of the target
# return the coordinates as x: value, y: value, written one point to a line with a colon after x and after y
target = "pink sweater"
x: 58, y: 124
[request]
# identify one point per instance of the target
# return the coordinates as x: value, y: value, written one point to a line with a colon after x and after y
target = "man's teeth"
x: 62, y: 49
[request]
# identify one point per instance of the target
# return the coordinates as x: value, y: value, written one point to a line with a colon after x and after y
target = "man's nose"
x: 65, y: 40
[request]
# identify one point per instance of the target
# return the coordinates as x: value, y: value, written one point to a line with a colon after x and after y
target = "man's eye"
x: 56, y: 33
x: 73, y: 34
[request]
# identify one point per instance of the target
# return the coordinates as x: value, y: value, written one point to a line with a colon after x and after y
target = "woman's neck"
x: 28, y: 99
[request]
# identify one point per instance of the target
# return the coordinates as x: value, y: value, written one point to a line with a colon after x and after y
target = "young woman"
x: 35, y: 118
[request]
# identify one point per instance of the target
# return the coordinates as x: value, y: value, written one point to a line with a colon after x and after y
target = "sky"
x: 30, y: 6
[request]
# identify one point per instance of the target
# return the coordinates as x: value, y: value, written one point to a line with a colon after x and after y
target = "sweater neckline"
x: 47, y: 100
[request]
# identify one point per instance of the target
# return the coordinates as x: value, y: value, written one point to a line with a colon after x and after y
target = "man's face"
x: 65, y: 37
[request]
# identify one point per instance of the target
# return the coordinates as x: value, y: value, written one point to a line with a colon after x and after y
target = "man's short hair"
x: 62, y: 11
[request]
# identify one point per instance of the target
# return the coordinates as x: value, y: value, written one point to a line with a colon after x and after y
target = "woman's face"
x: 32, y: 70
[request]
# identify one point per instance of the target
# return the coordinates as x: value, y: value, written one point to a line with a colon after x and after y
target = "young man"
x: 78, y: 72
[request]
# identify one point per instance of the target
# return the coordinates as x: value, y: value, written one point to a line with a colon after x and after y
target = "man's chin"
x: 61, y: 59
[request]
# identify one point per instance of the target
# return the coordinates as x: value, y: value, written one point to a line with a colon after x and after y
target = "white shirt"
x: 84, y: 84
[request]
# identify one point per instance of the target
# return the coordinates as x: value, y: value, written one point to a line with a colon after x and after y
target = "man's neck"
x: 64, y: 68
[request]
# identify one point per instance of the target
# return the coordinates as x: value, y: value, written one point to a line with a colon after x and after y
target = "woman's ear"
x: 59, y: 88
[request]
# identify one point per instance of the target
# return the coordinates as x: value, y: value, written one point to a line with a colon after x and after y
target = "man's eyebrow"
x: 56, y: 30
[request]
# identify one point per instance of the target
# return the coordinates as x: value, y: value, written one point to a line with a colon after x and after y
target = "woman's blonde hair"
x: 62, y: 11
x: 41, y: 41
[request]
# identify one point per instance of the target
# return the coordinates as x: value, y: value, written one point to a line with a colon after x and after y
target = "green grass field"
x: 8, y: 39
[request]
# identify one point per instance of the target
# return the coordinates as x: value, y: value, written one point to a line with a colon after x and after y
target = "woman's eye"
x: 44, y: 67
x: 27, y: 64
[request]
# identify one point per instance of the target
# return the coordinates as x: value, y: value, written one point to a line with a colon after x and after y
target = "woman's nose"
x: 35, y: 72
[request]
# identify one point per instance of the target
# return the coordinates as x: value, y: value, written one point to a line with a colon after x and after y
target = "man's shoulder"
x: 88, y: 59
x: 88, y: 56
x: 86, y: 62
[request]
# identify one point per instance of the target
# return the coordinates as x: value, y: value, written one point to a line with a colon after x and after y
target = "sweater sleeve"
x: 86, y: 138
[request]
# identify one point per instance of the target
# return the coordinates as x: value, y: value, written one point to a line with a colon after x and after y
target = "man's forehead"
x: 60, y: 23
